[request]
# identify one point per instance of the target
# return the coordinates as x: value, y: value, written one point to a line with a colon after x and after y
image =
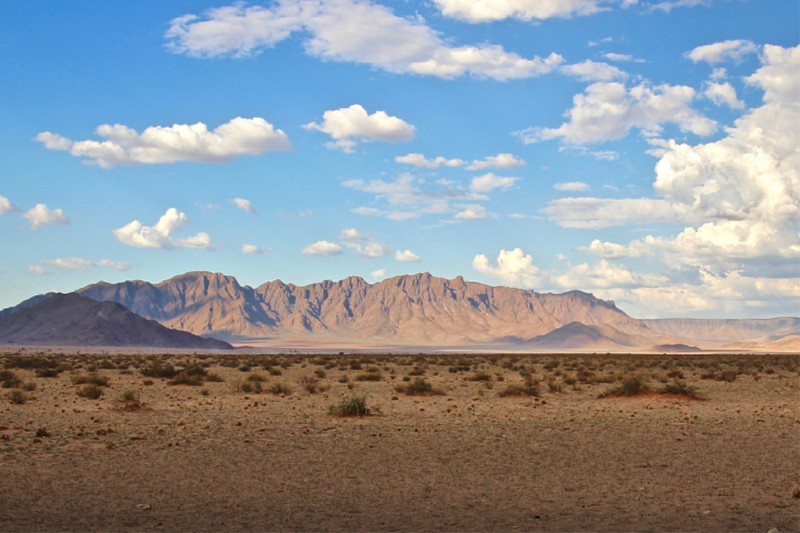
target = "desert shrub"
x: 310, y: 384
x: 355, y: 365
x: 727, y: 375
x: 229, y: 363
x: 419, y: 371
x: 147, y: 382
x: 679, y: 388
x: 351, y: 406
x: 480, y: 376
x: 529, y: 387
x: 157, y: 370
x: 195, y: 370
x: 215, y: 378
x: 30, y: 386
x: 17, y: 396
x: 107, y: 365
x: 6, y: 375
x: 553, y: 385
x: 630, y: 386
x: 285, y: 364
x: 418, y: 387
x: 204, y: 392
x: 91, y: 379
x: 675, y: 374
x: 9, y: 379
x: 245, y: 368
x: 129, y: 400
x: 320, y: 374
x: 186, y: 379
x: 279, y: 388
x: 47, y: 372
x: 90, y: 391
x: 275, y: 372
x: 369, y: 376
x: 30, y: 362
x: 42, y: 433
x: 550, y: 365
x: 257, y: 377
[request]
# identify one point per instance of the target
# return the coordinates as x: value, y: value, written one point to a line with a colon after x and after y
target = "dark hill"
x: 75, y: 320
x: 577, y: 336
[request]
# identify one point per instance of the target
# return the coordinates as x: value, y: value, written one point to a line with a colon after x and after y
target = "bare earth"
x: 214, y: 458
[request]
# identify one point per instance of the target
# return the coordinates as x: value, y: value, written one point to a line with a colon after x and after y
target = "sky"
x: 645, y: 152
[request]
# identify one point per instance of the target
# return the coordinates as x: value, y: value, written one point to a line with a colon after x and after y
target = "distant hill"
x: 415, y: 310
x: 75, y: 320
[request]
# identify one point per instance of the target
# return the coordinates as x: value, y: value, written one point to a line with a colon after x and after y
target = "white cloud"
x: 408, y: 256
x: 611, y: 56
x: 489, y: 182
x: 723, y: 94
x: 571, y: 186
x: 605, y: 155
x: 365, y: 245
x: 723, y: 51
x: 116, y: 265
x: 160, y: 236
x: 306, y: 214
x: 40, y: 216
x: 602, y: 213
x: 69, y: 263
x: 378, y: 274
x: 475, y: 11
x: 513, y: 267
x: 591, y: 71
x: 669, y: 5
x: 371, y: 211
x: 180, y: 142
x: 497, y: 161
x: 7, y: 207
x: 610, y: 250
x: 407, y: 199
x: 605, y: 40
x: 251, y: 249
x: 323, y: 248
x: 353, y: 122
x: 244, y: 205
x: 607, y: 111
x: 351, y: 31
x: 471, y: 212
x: 38, y: 270
x: 418, y: 160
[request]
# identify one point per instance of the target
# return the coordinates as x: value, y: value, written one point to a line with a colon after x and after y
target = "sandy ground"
x: 216, y: 458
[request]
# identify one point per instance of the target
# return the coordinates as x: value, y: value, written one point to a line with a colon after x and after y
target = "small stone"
x: 796, y: 491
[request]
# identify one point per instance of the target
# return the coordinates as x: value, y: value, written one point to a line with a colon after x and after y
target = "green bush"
x: 679, y: 388
x: 630, y: 386
x: 351, y: 406
x: 418, y: 387
x: 157, y: 370
x: 16, y: 396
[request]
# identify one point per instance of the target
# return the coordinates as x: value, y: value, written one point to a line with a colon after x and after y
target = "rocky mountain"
x: 412, y: 310
x: 75, y: 320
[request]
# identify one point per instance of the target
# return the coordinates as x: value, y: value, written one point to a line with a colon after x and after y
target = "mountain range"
x: 420, y: 310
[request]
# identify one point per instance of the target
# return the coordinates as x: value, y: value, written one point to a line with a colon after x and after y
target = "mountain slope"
x: 75, y: 320
x: 578, y: 336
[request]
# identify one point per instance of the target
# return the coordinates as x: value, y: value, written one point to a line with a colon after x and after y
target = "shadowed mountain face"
x: 75, y: 320
x: 417, y: 309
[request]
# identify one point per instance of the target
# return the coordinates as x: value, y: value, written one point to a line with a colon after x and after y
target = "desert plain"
x: 251, y: 442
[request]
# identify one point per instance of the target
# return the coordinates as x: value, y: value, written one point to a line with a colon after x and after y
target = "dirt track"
x: 465, y: 461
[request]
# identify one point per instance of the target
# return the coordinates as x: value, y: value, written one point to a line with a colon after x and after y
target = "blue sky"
x: 646, y: 152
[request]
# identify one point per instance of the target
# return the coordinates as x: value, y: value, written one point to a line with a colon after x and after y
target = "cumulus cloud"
x: 251, y: 249
x: 40, y: 216
x: 6, y: 206
x: 69, y: 263
x: 244, y: 205
x: 497, y: 161
x: 606, y: 111
x: 669, y: 5
x: 737, y: 199
x: 591, y: 71
x: 38, y: 270
x: 723, y: 94
x: 571, y: 186
x: 471, y: 212
x: 723, y: 51
x: 611, y: 56
x: 407, y: 257
x: 323, y: 248
x: 180, y: 142
x: 160, y: 236
x: 116, y: 265
x: 371, y: 211
x: 378, y: 274
x: 418, y: 160
x: 351, y: 31
x: 349, y: 123
x: 489, y: 182
x: 407, y: 199
x: 475, y: 11
x: 365, y: 245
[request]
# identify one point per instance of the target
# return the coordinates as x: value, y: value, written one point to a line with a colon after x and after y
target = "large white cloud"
x: 160, y: 236
x: 723, y: 51
x: 347, y: 30
x: 6, y: 206
x: 591, y: 71
x: 607, y: 111
x: 347, y: 124
x: 323, y: 248
x: 407, y: 257
x: 41, y: 216
x: 497, y: 161
x: 475, y: 11
x: 489, y: 182
x: 180, y: 142
x: 723, y: 93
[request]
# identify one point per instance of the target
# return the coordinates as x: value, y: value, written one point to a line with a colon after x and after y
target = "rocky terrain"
x: 75, y: 320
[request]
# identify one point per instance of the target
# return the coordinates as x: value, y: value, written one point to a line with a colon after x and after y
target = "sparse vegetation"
x: 630, y: 386
x: 90, y: 391
x: 279, y: 388
x: 529, y: 387
x: 418, y: 387
x: 679, y: 388
x: 91, y: 379
x: 351, y: 406
x: 186, y: 379
x: 157, y: 370
x: 17, y: 396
